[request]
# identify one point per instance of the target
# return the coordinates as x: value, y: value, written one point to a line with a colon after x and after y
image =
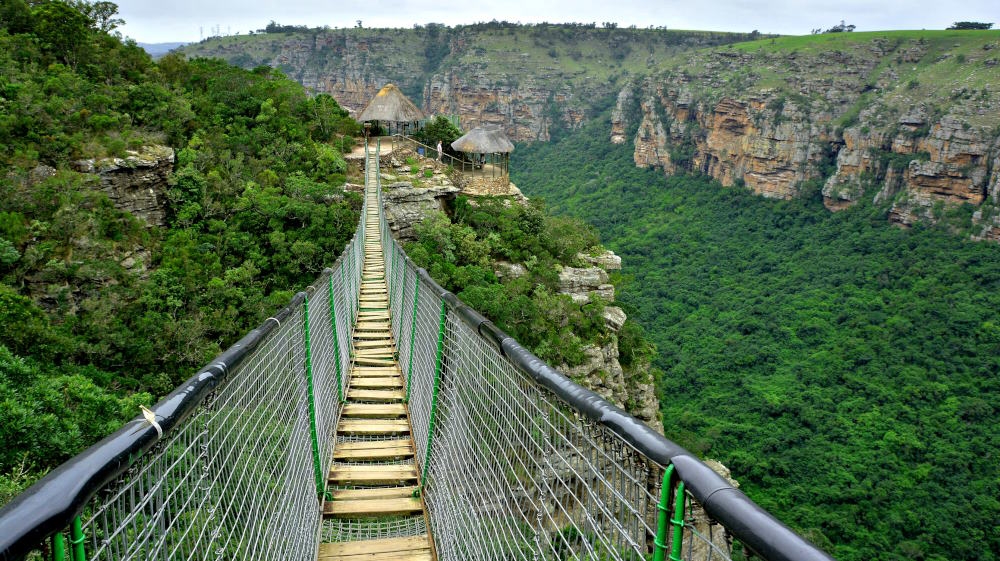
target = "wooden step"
x: 381, y: 493
x: 382, y: 396
x: 373, y: 426
x: 369, y: 361
x: 416, y: 548
x: 372, y: 335
x: 376, y: 371
x: 371, y: 450
x: 375, y: 352
x: 374, y: 344
x: 369, y: 508
x: 373, y: 411
x: 372, y: 475
x: 380, y: 383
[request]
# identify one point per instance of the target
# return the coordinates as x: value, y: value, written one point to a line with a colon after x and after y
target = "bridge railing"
x: 523, y: 463
x: 230, y: 465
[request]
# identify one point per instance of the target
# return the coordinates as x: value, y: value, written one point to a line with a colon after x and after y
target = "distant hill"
x: 156, y: 50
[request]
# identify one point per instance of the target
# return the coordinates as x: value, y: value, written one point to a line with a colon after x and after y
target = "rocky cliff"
x: 911, y: 119
x: 136, y: 183
x: 601, y: 371
x: 528, y: 79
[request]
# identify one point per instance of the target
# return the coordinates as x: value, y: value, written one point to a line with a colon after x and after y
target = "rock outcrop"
x: 136, y: 183
x: 582, y: 284
x: 406, y: 205
x: 601, y: 370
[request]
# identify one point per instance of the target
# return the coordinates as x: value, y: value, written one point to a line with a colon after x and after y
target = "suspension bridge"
x: 377, y: 417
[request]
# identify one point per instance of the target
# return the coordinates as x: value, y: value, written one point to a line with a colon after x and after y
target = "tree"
x: 103, y: 15
x: 842, y: 28
x: 61, y: 29
x: 15, y: 16
x: 441, y: 128
x: 971, y: 25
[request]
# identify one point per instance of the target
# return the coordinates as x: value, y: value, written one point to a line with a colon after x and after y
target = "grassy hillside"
x: 844, y: 369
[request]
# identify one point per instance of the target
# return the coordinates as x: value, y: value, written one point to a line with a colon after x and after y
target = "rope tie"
x: 151, y: 419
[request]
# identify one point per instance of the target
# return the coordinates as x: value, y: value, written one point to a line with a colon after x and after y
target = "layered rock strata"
x: 842, y: 124
x: 137, y: 183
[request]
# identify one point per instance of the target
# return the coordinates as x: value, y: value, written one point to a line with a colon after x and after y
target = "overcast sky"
x: 154, y: 21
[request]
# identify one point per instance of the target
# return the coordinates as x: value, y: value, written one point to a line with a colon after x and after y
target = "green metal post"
x: 392, y: 289
x: 662, y: 518
x: 58, y: 547
x: 76, y: 540
x: 413, y: 333
x: 678, y: 522
x: 438, y: 363
x: 312, y: 402
x: 336, y: 340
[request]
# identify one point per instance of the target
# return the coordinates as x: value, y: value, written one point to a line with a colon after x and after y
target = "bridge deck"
x: 373, y: 479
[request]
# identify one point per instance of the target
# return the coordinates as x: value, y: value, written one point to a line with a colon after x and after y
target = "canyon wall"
x: 528, y: 79
x: 905, y: 121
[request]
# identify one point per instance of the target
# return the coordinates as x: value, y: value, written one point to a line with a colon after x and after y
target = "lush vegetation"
x: 100, y: 311
x: 845, y: 369
x: 461, y: 254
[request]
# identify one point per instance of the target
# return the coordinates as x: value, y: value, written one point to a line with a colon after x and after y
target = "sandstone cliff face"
x: 136, y: 183
x: 846, y: 120
x: 529, y: 80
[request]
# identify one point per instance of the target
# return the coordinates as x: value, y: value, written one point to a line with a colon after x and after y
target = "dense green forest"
x: 255, y: 209
x: 845, y: 370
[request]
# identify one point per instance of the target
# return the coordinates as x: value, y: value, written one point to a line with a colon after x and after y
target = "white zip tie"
x: 151, y: 419
x: 275, y: 320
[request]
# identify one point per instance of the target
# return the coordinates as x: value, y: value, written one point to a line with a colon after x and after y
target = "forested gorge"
x: 255, y: 210
x: 844, y: 369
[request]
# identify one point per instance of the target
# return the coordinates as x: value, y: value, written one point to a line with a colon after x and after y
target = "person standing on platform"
x: 439, y: 150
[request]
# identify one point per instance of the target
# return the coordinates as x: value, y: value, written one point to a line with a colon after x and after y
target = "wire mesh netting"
x: 234, y: 481
x: 237, y: 479
x: 514, y: 472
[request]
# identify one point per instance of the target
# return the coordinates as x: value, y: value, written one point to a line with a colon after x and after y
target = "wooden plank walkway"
x: 374, y: 475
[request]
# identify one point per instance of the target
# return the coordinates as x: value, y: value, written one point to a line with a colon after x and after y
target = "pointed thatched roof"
x: 390, y: 104
x: 484, y: 140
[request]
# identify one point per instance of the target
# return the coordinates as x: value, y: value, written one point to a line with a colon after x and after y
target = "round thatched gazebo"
x: 392, y: 107
x: 490, y: 148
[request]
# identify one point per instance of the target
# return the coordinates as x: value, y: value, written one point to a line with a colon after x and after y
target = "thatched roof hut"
x: 487, y: 139
x: 391, y: 105
x: 490, y: 148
